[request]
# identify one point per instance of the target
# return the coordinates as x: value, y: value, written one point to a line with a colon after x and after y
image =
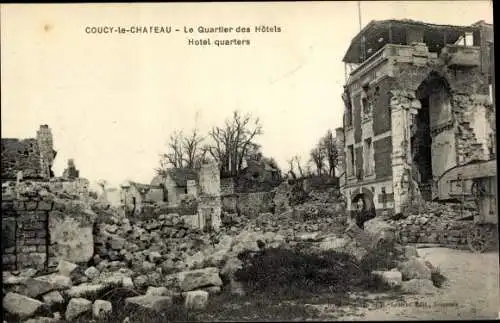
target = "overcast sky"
x: 112, y: 100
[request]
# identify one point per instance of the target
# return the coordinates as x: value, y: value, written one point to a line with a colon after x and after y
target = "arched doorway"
x: 432, y: 126
x: 364, y: 207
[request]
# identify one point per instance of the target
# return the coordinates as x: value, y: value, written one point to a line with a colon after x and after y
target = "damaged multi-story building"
x: 418, y: 101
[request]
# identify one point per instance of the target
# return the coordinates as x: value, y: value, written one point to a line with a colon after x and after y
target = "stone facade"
x: 413, y: 111
x: 34, y: 156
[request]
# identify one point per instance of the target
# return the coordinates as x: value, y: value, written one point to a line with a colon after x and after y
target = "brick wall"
x: 26, y: 235
x: 356, y: 103
x: 358, y: 152
x: 382, y: 156
x: 382, y: 109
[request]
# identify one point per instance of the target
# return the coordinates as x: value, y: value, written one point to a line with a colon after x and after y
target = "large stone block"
x: 20, y: 305
x: 72, y: 236
x: 77, y: 307
x: 194, y: 279
x: 151, y: 302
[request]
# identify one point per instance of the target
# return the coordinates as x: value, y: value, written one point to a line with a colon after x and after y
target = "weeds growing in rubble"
x: 437, y: 278
x: 278, y: 283
x: 293, y: 273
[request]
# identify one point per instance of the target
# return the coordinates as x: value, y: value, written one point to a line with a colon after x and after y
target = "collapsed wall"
x: 41, y: 227
x: 33, y: 156
x: 436, y: 223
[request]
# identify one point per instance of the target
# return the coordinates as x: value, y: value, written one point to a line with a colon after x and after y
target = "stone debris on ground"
x: 435, y: 223
x: 165, y: 259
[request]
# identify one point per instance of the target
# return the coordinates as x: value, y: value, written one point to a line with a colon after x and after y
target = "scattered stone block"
x: 418, y: 286
x: 101, y: 309
x: 415, y: 268
x: 196, y: 300
x: 53, y: 298
x: 20, y: 305
x: 191, y: 280
x: 392, y: 278
x: 85, y: 290
x: 151, y: 302
x: 77, y: 307
x: 92, y: 273
x: 65, y: 268
x: 158, y: 291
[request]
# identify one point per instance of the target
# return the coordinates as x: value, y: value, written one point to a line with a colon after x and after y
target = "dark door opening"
x: 421, y: 143
x: 134, y: 202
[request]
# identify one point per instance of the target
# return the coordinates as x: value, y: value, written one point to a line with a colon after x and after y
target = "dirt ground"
x: 471, y: 292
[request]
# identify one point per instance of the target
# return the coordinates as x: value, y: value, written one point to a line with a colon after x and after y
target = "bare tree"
x: 175, y: 152
x: 183, y: 151
x: 318, y: 159
x: 292, y: 168
x: 233, y: 141
x: 191, y: 149
x: 328, y: 145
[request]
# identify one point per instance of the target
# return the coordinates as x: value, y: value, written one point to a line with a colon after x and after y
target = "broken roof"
x: 142, y: 188
x: 376, y: 26
x: 182, y: 175
x: 157, y: 180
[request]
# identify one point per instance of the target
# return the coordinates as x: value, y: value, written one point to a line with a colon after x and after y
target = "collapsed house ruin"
x: 33, y: 156
x: 418, y: 102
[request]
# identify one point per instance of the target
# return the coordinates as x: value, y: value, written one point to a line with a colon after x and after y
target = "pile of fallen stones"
x: 435, y: 224
x: 74, y: 290
x: 288, y: 224
x: 144, y: 245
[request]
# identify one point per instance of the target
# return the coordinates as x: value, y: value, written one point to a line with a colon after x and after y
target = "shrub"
x: 291, y: 273
x: 437, y: 278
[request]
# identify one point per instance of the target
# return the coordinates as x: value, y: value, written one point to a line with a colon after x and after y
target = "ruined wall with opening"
x: 459, y: 112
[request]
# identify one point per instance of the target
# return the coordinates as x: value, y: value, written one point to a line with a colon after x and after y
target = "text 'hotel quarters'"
x: 418, y: 102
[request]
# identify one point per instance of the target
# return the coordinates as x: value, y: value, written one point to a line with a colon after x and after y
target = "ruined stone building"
x: 417, y: 103
x: 202, y: 186
x: 180, y: 182
x: 134, y: 196
x: 34, y: 157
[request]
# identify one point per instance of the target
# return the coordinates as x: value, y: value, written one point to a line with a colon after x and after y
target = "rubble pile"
x: 322, y: 211
x: 166, y: 262
x: 307, y: 218
x: 156, y: 258
x: 435, y: 223
x: 145, y: 245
